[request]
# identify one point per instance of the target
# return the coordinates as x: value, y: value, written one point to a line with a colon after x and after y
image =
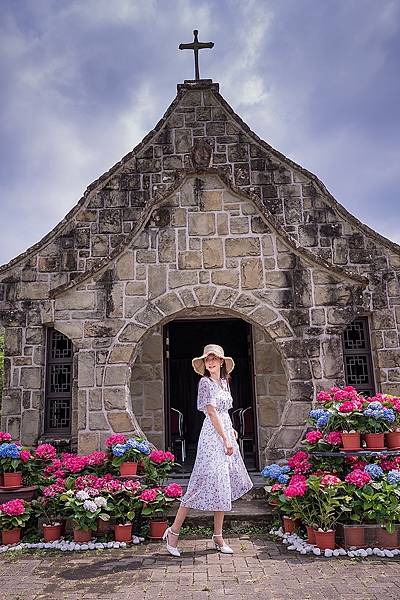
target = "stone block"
x: 242, y: 247
x: 239, y: 225
x: 87, y: 442
x: 95, y: 401
x: 213, y: 253
x: 188, y: 298
x: 97, y: 421
x: 191, y: 259
x: 76, y: 300
x: 332, y: 295
x: 258, y: 225
x: 383, y: 319
x: 149, y: 315
x: 183, y: 141
x: 30, y: 427
x: 102, y: 329
x: 167, y: 246
x: 110, y: 220
x: 31, y: 378
x: 169, y: 303
x: 146, y: 256
x: 201, y: 224
x: 124, y: 267
x: 114, y: 398
x: 226, y: 278
x: 135, y: 288
x: 277, y: 385
x: 133, y: 304
x: 72, y: 330
x: 287, y: 437
x: 157, y: 280
x: 153, y: 395
x: 269, y: 411
x: 205, y: 294
x: 86, y: 369
x: 263, y: 316
x: 120, y: 422
x: 179, y: 218
x: 222, y: 224
x: 332, y: 358
x: 13, y: 341
x: 132, y: 332
x: 120, y: 354
x: 11, y: 404
x: 211, y: 201
x: 31, y: 291
x: 181, y: 278
x: 251, y: 273
x: 100, y: 246
x: 225, y: 298
x: 116, y: 375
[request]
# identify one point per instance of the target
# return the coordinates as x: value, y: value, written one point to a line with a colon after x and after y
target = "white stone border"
x: 65, y: 546
x: 295, y: 542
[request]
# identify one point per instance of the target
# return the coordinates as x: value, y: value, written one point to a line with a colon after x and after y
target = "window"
x: 59, y: 379
x: 357, y: 356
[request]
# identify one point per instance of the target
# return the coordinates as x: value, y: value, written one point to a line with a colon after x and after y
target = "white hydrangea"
x: 100, y: 501
x: 90, y: 506
x: 82, y: 495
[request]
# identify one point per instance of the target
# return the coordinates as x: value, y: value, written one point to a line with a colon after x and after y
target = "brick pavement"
x: 259, y: 569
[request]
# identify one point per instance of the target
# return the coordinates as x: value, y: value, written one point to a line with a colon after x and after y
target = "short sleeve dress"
x: 217, y: 479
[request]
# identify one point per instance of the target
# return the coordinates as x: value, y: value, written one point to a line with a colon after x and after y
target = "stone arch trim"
x: 116, y: 375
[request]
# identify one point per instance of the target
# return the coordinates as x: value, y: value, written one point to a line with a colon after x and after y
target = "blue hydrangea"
x: 9, y: 450
x: 375, y: 405
x: 283, y: 478
x: 393, y: 477
x: 119, y: 449
x: 131, y: 443
x: 388, y: 415
x: 276, y: 472
x: 316, y: 413
x: 322, y: 421
x: 374, y: 471
x: 377, y: 411
x: 143, y: 447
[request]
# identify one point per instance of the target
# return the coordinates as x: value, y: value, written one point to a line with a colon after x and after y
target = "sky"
x: 83, y: 81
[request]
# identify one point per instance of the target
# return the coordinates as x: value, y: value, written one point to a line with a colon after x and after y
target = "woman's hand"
x: 228, y: 448
x: 235, y: 433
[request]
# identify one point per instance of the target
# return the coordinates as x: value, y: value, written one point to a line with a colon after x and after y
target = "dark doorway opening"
x: 183, y: 340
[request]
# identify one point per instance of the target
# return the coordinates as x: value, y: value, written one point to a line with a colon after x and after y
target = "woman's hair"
x: 224, y: 373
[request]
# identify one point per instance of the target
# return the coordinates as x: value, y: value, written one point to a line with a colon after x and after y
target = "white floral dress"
x: 217, y: 478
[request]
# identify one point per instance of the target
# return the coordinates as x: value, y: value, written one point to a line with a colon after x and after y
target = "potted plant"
x: 393, y: 436
x: 377, y: 419
x: 13, y: 517
x: 127, y: 455
x: 346, y: 417
x: 121, y: 505
x: 154, y: 503
x: 298, y: 498
x: 157, y: 466
x: 329, y: 495
x: 49, y: 507
x: 84, y: 509
x: 12, y: 461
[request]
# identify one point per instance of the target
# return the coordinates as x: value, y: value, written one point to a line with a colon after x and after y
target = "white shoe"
x: 225, y: 549
x: 171, y: 549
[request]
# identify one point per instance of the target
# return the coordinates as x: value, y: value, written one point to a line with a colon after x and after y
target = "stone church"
x: 202, y: 234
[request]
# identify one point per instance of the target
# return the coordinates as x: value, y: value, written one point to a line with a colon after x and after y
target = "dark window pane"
x: 357, y: 357
x: 59, y: 413
x: 354, y: 336
x: 59, y: 375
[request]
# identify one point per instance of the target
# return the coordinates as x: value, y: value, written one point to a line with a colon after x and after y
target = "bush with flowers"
x: 13, y: 457
x: 48, y: 505
x: 130, y: 450
x: 84, y: 507
x: 154, y: 502
x: 158, y: 466
x: 14, y: 514
x: 121, y: 499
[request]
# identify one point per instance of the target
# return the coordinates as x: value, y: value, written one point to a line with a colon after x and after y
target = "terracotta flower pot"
x: 157, y: 529
x: 12, y: 479
x: 123, y: 533
x: 351, y: 441
x: 102, y: 527
x: 82, y: 535
x: 289, y: 524
x: 11, y: 536
x: 354, y: 536
x: 375, y: 440
x: 128, y: 468
x: 310, y: 534
x: 325, y: 540
x: 393, y: 439
x: 51, y: 532
x: 385, y: 539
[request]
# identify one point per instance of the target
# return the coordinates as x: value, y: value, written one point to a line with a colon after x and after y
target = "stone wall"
x: 147, y: 387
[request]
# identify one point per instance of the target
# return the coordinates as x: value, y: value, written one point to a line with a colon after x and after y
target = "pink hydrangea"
x: 13, y: 508
x: 334, y: 438
x: 54, y: 489
x: 149, y: 495
x: 74, y: 463
x: 96, y: 458
x: 297, y: 486
x: 387, y: 465
x: 131, y: 486
x: 84, y: 481
x: 359, y: 464
x: 299, y: 462
x: 117, y: 438
x: 55, y: 469
x: 330, y: 480
x: 169, y: 456
x: 173, y: 490
x: 112, y: 486
x: 45, y: 452
x: 312, y: 437
x: 276, y: 487
x: 157, y: 456
x: 5, y: 436
x: 324, y: 397
x: 347, y: 407
x: 358, y: 478
x: 25, y: 456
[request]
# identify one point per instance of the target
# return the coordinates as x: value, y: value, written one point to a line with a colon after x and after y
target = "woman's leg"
x: 218, y: 524
x: 177, y: 524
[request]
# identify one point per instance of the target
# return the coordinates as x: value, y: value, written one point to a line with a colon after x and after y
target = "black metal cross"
x: 196, y: 46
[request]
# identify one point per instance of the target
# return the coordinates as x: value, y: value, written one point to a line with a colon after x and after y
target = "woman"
x: 219, y: 474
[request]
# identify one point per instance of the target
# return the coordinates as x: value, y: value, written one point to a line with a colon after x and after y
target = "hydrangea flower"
x: 13, y: 508
x: 100, y: 501
x: 393, y: 477
x: 82, y: 495
x: 120, y: 449
x: 9, y: 450
x: 334, y: 438
x: 312, y: 437
x: 375, y: 471
x: 90, y: 505
x: 358, y: 478
x: 173, y: 490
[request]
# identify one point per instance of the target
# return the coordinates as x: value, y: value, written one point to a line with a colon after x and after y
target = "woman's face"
x: 213, y: 364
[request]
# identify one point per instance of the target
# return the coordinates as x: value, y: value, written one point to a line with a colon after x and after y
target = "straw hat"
x: 198, y: 363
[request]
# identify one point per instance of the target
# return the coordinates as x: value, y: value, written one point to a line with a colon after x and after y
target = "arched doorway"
x: 184, y: 339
